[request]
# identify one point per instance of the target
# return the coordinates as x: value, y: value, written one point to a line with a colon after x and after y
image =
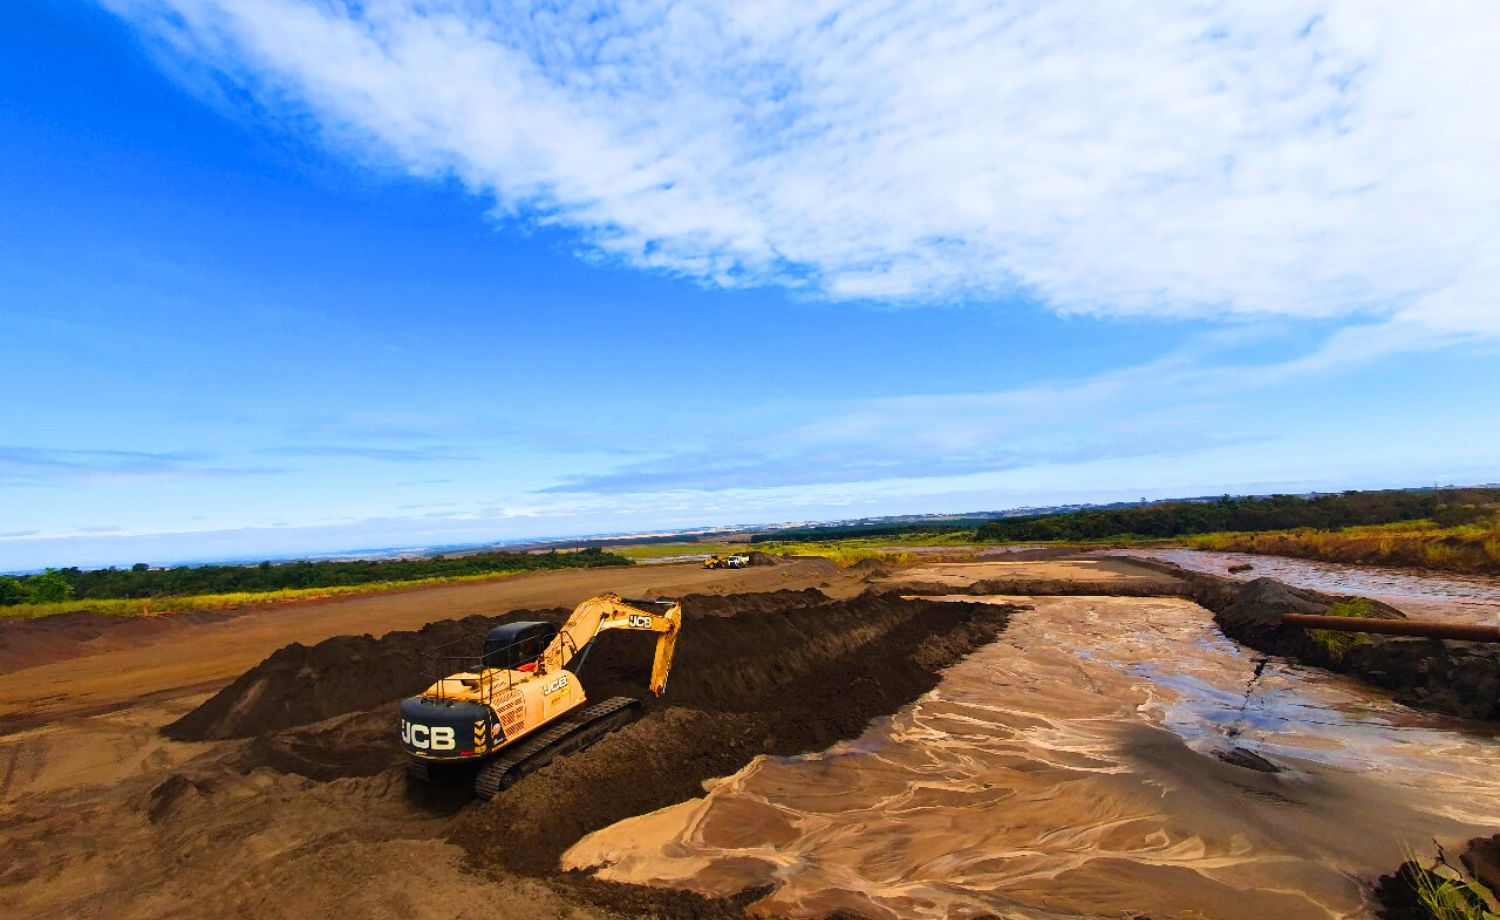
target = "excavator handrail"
x: 447, y: 667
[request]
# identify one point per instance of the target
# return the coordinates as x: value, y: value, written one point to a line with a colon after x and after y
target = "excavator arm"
x: 611, y: 611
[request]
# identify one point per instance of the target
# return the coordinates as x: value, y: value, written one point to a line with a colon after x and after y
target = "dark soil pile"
x: 300, y: 684
x: 779, y: 682
x: 352, y: 744
x: 695, y: 606
x: 759, y: 558
x: 1439, y: 675
x: 1482, y: 859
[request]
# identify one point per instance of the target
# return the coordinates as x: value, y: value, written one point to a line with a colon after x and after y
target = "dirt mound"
x: 1445, y: 676
x: 300, y: 684
x: 777, y: 683
x: 758, y: 558
x: 1262, y: 602
x: 724, y: 605
x: 353, y: 744
x: 1453, y: 678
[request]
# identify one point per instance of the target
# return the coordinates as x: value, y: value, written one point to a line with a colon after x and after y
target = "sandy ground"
x: 101, y: 816
x: 963, y: 574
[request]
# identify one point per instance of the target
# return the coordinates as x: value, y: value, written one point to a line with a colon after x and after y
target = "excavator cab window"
x: 517, y: 646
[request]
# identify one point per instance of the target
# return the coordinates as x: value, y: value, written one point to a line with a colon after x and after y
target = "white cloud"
x: 1305, y: 159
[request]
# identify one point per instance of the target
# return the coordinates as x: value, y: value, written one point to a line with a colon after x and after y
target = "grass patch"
x: 1444, y: 894
x: 1339, y: 644
x: 843, y: 553
x: 668, y: 550
x: 134, y: 607
x: 1468, y: 548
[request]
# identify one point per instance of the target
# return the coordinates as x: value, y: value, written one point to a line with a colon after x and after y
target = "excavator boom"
x: 611, y: 611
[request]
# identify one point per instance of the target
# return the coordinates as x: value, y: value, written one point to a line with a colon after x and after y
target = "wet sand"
x: 1436, y: 595
x: 1069, y: 769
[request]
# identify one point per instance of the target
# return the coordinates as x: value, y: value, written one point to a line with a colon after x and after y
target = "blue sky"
x: 283, y: 277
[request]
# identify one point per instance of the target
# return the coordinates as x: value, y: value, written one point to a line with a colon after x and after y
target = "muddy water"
x: 1068, y: 769
x: 1470, y: 598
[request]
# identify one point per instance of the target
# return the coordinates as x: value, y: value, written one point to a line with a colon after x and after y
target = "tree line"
x: 851, y: 531
x: 143, y: 581
x: 1445, y: 507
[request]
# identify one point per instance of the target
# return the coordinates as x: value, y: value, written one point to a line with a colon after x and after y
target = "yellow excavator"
x: 522, y: 704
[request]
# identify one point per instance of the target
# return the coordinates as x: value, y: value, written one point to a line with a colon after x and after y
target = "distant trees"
x: 853, y: 531
x: 141, y: 581
x: 12, y: 592
x: 1448, y: 507
x: 50, y: 587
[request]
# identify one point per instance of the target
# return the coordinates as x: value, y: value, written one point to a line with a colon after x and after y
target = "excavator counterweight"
x: 522, y: 703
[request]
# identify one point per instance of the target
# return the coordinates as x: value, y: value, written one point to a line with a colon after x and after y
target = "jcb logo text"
x: 425, y: 738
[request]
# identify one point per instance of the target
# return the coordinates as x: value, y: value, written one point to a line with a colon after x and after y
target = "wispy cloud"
x: 720, y: 471
x: 381, y: 454
x: 35, y: 466
x: 1173, y: 407
x: 1306, y: 158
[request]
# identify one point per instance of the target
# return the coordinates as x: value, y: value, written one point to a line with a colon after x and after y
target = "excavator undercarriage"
x: 522, y: 704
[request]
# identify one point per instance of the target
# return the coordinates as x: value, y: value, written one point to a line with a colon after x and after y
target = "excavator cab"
x: 517, y: 646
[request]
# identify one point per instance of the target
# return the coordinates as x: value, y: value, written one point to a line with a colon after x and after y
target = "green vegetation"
x: 959, y: 530
x: 843, y: 553
x: 1339, y: 644
x: 12, y: 592
x: 1450, y: 899
x: 1169, y: 520
x: 50, y: 587
x: 74, y: 589
x: 667, y: 550
x: 1469, y: 548
x: 1444, y: 894
x: 190, y: 603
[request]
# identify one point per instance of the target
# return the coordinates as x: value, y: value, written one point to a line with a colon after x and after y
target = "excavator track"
x: 570, y: 736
